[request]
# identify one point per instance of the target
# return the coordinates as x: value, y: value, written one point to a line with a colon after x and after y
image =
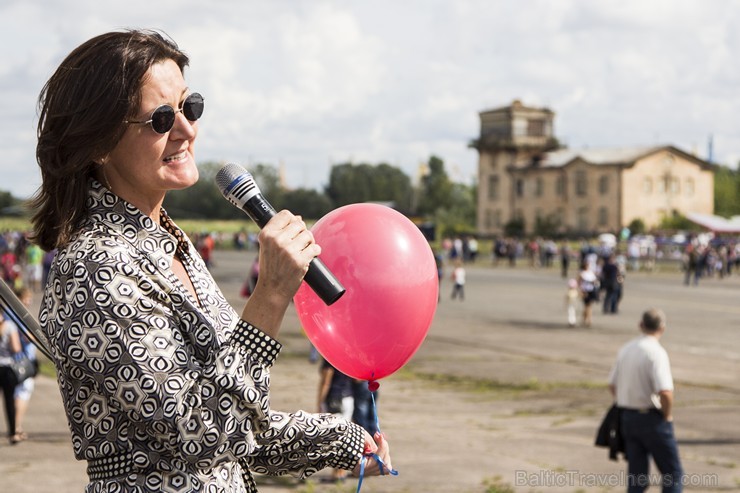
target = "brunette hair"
x: 82, y: 112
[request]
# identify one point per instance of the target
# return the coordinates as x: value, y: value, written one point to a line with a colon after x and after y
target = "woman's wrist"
x: 266, y: 311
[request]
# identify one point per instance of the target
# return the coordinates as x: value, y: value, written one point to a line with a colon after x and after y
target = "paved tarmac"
x: 502, y: 395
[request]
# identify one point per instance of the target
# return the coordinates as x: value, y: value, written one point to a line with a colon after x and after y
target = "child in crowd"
x: 458, y: 278
x: 572, y: 297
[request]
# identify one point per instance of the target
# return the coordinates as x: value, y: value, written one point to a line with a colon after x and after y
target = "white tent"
x: 716, y: 224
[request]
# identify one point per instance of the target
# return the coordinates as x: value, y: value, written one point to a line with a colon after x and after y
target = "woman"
x: 164, y: 385
x: 24, y: 390
x: 10, y: 345
x: 588, y: 284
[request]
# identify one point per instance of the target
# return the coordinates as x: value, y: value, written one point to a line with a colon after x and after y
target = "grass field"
x: 14, y: 224
x: 188, y: 225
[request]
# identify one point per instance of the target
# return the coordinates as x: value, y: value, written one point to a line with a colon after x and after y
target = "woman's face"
x: 144, y: 165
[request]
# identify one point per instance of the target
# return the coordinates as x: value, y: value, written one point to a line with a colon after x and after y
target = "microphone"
x: 239, y: 188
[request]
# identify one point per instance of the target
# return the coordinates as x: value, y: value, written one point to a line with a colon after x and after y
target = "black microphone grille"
x: 228, y: 174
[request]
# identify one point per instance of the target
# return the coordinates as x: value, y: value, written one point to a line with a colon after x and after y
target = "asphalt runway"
x: 501, y: 394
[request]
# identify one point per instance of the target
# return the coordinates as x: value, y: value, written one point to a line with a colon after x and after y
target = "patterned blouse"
x: 165, y: 392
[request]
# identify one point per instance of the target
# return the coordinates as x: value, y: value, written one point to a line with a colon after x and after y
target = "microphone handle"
x: 318, y: 277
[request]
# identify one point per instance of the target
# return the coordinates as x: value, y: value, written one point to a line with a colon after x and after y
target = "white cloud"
x: 308, y: 83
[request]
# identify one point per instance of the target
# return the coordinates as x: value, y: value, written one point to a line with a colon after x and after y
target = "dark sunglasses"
x: 163, y: 118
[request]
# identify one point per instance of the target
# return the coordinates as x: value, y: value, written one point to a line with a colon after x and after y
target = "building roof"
x: 597, y: 156
x: 516, y: 105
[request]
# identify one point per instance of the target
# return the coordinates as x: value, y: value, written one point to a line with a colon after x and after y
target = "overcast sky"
x: 308, y: 84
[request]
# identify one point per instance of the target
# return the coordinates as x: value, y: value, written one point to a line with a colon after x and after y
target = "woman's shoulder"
x: 92, y: 245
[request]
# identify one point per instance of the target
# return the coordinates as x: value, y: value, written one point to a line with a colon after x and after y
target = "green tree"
x: 392, y: 184
x: 355, y: 183
x: 726, y: 191
x: 637, y: 227
x: 267, y: 178
x: 203, y: 200
x: 11, y: 206
x: 515, y: 228
x: 6, y: 199
x: 459, y: 217
x: 307, y: 203
x: 547, y: 226
x: 435, y: 189
x: 677, y: 222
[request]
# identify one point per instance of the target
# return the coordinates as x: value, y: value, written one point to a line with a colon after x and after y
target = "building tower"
x: 511, y: 137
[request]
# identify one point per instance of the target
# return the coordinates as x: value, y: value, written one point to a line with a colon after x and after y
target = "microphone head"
x: 228, y: 174
x: 236, y: 184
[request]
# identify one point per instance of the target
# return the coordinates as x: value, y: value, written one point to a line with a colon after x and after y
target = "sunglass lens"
x: 193, y: 107
x: 162, y: 119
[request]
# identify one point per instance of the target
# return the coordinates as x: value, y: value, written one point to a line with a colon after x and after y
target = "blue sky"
x: 307, y: 84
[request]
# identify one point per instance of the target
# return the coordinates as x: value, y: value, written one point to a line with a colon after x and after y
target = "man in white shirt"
x: 642, y: 384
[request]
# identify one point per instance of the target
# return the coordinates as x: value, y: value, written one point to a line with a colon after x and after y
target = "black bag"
x: 23, y: 367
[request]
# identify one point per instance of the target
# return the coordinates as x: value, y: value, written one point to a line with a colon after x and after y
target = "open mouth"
x: 176, y: 157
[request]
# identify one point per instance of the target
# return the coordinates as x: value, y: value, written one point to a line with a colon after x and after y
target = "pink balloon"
x: 388, y: 269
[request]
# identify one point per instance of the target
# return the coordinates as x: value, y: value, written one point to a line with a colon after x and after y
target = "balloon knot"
x: 372, y: 385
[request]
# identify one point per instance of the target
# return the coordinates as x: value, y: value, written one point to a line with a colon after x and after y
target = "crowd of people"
x: 707, y: 261
x: 22, y: 262
x: 601, y: 267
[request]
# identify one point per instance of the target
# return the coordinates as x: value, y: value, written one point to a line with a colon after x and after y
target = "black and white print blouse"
x: 164, y: 392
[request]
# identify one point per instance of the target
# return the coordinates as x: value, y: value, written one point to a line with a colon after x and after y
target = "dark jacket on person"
x: 609, y: 434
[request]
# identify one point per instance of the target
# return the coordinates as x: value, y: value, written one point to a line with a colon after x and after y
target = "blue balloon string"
x: 375, y: 412
x: 363, y: 461
x: 362, y: 472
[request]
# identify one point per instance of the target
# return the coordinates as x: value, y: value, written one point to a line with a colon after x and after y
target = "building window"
x: 583, y: 219
x: 603, y: 216
x: 580, y: 183
x: 675, y: 186
x: 560, y: 186
x: 560, y: 216
x: 493, y: 184
x: 603, y: 185
x: 647, y: 185
x: 519, y: 187
x: 536, y: 128
x: 539, y: 186
x: 493, y: 218
x: 519, y: 127
x: 689, y: 186
x: 661, y: 185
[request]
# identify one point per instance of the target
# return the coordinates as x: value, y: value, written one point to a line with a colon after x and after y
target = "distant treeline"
x: 348, y: 183
x: 434, y: 198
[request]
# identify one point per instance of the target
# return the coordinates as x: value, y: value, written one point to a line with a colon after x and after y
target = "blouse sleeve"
x: 128, y: 373
x: 301, y: 444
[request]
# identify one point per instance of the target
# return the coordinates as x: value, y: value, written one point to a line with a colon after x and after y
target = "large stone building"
x: 523, y: 174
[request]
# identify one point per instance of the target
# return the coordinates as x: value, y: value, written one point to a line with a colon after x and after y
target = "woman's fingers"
x: 286, y: 249
x: 378, y: 446
x: 289, y: 233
